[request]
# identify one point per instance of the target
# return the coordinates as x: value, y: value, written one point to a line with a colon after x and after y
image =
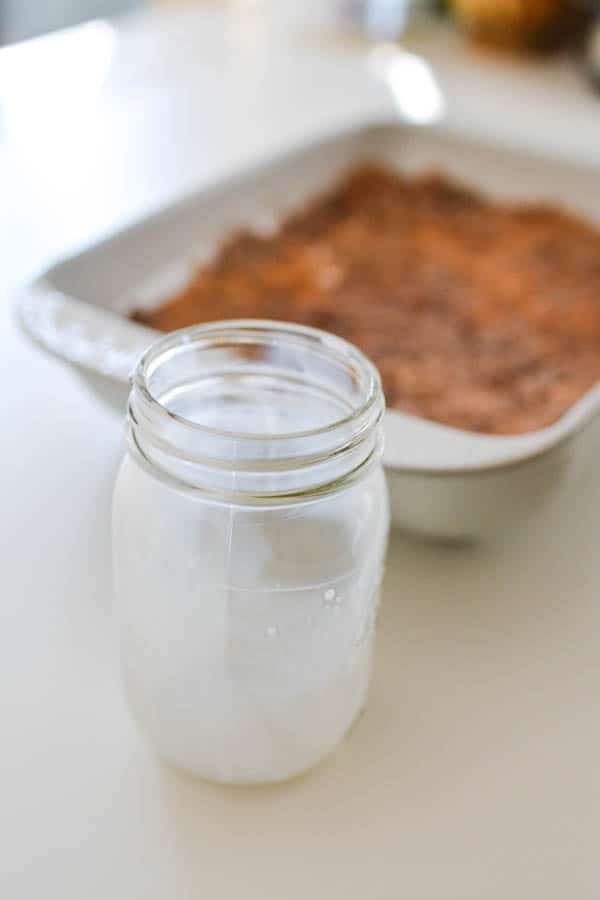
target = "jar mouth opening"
x: 248, y: 333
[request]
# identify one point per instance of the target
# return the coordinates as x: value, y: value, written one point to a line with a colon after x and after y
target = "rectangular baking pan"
x: 445, y: 483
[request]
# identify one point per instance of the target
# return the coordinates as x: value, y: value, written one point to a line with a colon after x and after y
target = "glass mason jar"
x: 250, y: 522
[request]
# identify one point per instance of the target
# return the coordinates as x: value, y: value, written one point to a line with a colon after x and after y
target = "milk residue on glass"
x: 250, y: 524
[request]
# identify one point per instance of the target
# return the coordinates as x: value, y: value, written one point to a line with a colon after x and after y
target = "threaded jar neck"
x: 253, y: 411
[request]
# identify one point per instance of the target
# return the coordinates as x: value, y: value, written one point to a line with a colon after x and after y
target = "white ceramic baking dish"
x: 444, y: 483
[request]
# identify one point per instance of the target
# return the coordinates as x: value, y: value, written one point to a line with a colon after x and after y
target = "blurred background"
x: 533, y: 24
x: 23, y: 19
x: 523, y: 26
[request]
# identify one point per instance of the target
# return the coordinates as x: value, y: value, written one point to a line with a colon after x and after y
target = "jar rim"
x: 334, y: 347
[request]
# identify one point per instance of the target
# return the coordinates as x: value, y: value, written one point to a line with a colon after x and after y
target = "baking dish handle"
x: 88, y: 336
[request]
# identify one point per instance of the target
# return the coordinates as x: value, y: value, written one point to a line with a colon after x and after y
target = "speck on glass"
x: 250, y: 522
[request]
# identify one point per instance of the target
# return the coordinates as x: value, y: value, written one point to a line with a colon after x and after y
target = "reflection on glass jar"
x: 250, y: 526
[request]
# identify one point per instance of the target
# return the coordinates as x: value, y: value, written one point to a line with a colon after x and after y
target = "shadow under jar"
x: 250, y: 524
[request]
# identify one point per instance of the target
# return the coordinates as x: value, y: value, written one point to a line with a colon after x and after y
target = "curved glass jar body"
x: 250, y: 522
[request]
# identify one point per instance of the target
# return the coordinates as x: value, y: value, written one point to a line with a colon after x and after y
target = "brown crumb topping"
x: 479, y: 315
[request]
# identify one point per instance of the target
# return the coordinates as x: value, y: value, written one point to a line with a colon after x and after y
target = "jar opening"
x: 253, y: 396
x: 194, y: 373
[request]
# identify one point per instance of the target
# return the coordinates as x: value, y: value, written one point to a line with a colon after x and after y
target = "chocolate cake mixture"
x: 479, y: 315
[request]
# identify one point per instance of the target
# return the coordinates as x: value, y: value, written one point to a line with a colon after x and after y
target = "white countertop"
x: 474, y: 771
